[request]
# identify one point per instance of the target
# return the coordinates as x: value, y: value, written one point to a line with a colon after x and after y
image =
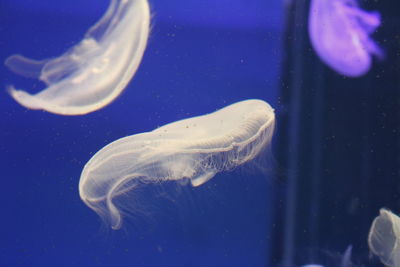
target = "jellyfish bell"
x: 340, y: 34
x: 193, y: 149
x: 94, y: 72
x: 384, y: 238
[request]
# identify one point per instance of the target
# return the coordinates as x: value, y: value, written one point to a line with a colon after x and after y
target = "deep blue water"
x: 201, y: 56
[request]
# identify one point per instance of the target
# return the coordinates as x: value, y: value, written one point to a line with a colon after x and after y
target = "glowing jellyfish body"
x: 193, y: 149
x: 384, y: 238
x: 93, y: 73
x: 340, y: 34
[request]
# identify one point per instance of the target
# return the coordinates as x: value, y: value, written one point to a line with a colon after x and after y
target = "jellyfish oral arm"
x: 197, y: 181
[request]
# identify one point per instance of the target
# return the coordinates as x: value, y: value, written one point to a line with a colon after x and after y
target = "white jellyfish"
x: 384, y: 238
x: 194, y: 150
x: 93, y: 73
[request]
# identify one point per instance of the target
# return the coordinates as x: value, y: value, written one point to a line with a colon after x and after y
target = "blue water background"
x: 201, y: 56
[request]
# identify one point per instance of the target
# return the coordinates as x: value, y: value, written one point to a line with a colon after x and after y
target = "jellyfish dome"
x: 193, y: 149
x: 94, y: 72
x: 384, y: 238
x: 340, y: 33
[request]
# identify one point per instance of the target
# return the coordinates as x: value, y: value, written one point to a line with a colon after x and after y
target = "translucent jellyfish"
x: 93, y: 73
x: 384, y: 238
x: 194, y: 150
x: 331, y: 259
x: 340, y: 34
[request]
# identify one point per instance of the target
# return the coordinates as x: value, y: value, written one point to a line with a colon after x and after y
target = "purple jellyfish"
x: 340, y: 34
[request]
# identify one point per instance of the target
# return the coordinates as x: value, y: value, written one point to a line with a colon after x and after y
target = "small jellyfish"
x: 340, y: 34
x: 384, y: 238
x: 94, y: 72
x: 193, y: 149
x: 333, y: 259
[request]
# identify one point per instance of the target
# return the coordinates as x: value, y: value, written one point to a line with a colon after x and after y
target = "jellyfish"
x: 91, y: 74
x: 334, y: 259
x: 192, y: 150
x: 384, y: 238
x: 340, y: 34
